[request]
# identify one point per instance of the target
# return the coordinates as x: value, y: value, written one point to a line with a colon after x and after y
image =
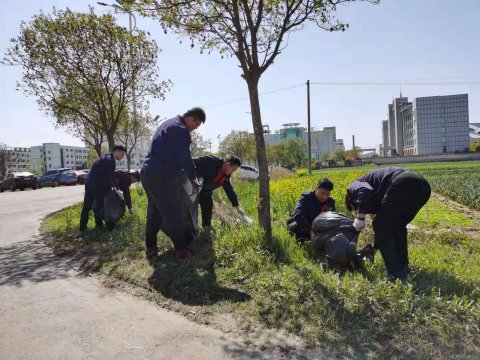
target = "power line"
x: 380, y: 83
x: 246, y: 98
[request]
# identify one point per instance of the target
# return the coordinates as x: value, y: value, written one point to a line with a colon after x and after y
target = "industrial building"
x: 426, y: 126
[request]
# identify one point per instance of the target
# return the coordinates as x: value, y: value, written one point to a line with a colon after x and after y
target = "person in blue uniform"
x: 216, y: 172
x: 162, y: 173
x: 308, y: 207
x: 395, y: 195
x: 100, y: 180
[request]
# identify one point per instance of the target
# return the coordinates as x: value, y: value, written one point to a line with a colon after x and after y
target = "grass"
x: 283, y: 286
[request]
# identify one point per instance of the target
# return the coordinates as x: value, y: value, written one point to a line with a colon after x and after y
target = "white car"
x: 248, y: 172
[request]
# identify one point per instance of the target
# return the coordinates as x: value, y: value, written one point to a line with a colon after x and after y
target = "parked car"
x: 82, y: 175
x: 248, y: 172
x: 58, y: 177
x: 18, y: 180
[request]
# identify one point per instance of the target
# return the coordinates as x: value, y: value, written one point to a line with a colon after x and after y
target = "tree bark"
x: 111, y: 141
x: 264, y: 190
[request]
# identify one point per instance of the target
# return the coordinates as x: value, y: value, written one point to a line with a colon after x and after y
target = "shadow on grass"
x: 447, y: 284
x: 193, y: 282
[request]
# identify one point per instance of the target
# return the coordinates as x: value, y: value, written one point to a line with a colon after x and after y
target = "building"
x: 18, y: 159
x: 322, y: 141
x: 427, y: 125
x: 339, y: 144
x: 139, y: 153
x: 395, y: 128
x: 383, y: 148
x: 74, y: 157
x: 48, y: 156
x: 474, y: 133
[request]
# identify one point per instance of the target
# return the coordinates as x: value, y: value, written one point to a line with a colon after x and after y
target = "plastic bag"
x: 114, y: 205
x: 334, y: 234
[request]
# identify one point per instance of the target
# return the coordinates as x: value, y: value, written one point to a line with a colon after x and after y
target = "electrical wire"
x: 261, y: 94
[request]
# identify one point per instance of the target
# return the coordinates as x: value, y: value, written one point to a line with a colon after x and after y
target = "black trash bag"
x: 334, y: 234
x: 191, y: 197
x: 113, y: 207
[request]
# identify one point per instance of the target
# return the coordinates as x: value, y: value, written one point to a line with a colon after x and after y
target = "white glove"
x: 359, y: 224
x: 131, y: 211
x: 240, y: 211
x: 196, y: 182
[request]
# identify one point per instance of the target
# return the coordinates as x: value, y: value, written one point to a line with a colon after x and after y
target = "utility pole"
x: 308, y: 130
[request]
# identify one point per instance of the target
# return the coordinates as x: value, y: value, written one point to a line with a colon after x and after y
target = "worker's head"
x: 230, y: 165
x: 135, y: 176
x: 119, y: 152
x: 194, y: 118
x: 323, y: 189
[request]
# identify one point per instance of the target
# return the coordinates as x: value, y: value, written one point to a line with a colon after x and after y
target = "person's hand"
x: 359, y: 224
x: 196, y: 182
x: 131, y: 211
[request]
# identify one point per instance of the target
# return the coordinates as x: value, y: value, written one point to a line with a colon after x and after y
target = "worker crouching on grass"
x: 100, y: 180
x: 308, y: 207
x: 216, y: 172
x: 168, y: 162
x: 395, y: 195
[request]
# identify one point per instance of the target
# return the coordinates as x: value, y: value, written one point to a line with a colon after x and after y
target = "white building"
x: 48, y: 156
x: 73, y: 157
x: 18, y: 159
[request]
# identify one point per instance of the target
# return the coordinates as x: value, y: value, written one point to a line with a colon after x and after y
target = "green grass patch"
x: 282, y: 285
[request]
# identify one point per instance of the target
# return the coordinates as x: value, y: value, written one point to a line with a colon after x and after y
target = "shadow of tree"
x: 30, y: 261
x: 448, y: 284
x: 193, y: 282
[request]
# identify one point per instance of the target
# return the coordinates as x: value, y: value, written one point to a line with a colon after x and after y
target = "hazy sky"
x: 398, y: 40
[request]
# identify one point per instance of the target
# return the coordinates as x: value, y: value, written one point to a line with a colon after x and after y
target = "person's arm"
x: 183, y: 141
x: 362, y: 194
x: 228, y: 188
x: 299, y: 215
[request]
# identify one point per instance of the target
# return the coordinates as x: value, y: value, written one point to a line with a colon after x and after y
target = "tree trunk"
x: 264, y: 203
x: 111, y: 141
x: 98, y: 149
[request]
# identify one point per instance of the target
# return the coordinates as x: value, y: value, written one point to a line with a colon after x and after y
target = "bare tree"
x: 254, y: 31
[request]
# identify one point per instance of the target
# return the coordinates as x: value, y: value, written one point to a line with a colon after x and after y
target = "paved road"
x: 48, y: 310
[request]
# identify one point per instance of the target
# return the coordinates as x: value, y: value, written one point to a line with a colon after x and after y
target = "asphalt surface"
x: 49, y: 310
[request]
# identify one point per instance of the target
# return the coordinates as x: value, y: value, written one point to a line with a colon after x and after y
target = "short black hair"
x: 233, y: 160
x: 119, y: 147
x: 197, y: 113
x: 135, y: 174
x: 325, y: 183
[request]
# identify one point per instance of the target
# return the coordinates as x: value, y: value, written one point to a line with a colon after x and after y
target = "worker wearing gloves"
x: 168, y: 162
x: 395, y: 195
x: 100, y: 180
x: 124, y: 180
x: 216, y: 172
x: 308, y: 207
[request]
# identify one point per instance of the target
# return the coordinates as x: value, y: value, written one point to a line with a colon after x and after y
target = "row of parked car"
x: 65, y: 176
x: 25, y: 180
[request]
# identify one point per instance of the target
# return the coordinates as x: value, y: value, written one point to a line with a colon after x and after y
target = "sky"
x: 398, y: 41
